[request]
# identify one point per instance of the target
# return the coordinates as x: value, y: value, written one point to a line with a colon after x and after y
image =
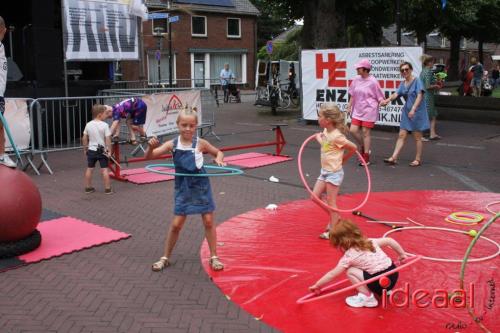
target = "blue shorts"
x: 334, y: 178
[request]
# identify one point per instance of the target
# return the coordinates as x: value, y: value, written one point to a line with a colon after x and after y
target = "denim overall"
x: 193, y: 195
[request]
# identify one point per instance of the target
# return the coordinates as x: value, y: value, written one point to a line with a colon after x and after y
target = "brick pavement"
x: 111, y: 288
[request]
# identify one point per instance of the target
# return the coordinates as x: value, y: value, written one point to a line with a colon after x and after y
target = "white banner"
x: 99, y: 30
x: 327, y: 74
x: 164, y: 108
x: 18, y: 119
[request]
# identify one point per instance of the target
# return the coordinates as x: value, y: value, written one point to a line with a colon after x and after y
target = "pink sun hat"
x: 363, y: 63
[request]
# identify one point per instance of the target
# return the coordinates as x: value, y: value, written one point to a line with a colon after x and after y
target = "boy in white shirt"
x: 96, y: 145
x: 4, y: 158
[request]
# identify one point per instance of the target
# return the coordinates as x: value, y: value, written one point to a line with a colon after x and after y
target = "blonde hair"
x: 426, y: 59
x: 187, y: 111
x: 332, y: 112
x: 346, y: 234
x: 98, y: 109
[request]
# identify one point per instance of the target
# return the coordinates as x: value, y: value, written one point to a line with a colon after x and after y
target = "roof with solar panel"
x: 243, y: 7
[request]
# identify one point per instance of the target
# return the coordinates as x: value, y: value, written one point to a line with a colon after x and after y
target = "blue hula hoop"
x: 233, y: 171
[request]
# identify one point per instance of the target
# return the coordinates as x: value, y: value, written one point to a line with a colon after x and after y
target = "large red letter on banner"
x: 336, y: 69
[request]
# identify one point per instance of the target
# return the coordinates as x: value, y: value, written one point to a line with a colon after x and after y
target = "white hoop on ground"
x: 488, y: 207
x: 450, y: 230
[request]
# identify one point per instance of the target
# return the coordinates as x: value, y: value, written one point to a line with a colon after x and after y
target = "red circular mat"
x: 271, y: 257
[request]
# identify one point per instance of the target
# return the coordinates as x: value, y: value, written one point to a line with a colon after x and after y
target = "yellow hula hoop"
x: 464, y: 218
x: 460, y: 223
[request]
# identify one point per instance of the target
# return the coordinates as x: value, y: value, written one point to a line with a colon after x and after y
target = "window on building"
x: 217, y: 61
x: 199, y: 26
x: 159, y: 26
x: 163, y: 76
x: 233, y: 28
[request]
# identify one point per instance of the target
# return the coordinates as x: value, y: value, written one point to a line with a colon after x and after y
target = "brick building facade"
x: 203, y: 38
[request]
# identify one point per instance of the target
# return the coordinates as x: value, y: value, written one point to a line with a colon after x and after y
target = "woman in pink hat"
x: 363, y: 106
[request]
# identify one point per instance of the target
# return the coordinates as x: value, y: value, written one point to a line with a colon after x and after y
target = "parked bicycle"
x: 263, y: 94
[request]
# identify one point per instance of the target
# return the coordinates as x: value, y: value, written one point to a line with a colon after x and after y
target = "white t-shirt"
x: 3, y: 70
x: 97, y: 131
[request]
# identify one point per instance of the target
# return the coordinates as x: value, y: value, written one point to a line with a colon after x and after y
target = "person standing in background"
x: 363, y: 107
x: 4, y: 158
x: 477, y: 78
x: 431, y: 86
x: 495, y: 76
x: 226, y: 76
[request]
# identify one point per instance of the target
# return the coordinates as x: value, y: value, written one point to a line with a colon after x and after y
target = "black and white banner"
x: 99, y: 30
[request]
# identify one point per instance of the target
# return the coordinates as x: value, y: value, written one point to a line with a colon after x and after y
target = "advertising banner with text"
x: 164, y: 108
x: 99, y: 30
x: 327, y: 74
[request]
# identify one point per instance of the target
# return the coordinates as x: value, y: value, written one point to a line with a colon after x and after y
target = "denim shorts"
x: 476, y: 82
x: 334, y: 178
x: 93, y: 157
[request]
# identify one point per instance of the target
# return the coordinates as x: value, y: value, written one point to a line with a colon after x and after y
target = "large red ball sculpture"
x: 20, y: 205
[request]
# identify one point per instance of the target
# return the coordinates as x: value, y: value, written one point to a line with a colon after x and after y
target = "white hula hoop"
x: 450, y: 230
x: 490, y: 204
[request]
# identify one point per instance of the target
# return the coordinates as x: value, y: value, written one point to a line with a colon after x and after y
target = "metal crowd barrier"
x: 57, y: 123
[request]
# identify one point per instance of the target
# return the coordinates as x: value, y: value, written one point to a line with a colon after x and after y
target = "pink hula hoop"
x: 313, y: 297
x: 299, y: 161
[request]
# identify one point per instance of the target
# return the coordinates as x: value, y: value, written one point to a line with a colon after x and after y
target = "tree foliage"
x: 284, y: 50
x: 274, y: 19
x: 421, y: 17
x: 337, y: 23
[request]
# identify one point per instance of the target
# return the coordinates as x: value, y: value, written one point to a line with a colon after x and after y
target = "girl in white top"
x: 363, y: 259
x: 333, y: 144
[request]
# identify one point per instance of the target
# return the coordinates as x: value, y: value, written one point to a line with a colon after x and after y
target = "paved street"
x: 111, y: 288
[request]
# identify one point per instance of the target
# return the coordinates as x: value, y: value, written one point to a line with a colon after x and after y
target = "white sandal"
x: 215, y: 263
x: 160, y: 264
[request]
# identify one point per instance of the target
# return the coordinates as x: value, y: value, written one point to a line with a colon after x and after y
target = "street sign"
x: 155, y: 16
x: 269, y: 47
x: 173, y: 19
x: 158, y: 55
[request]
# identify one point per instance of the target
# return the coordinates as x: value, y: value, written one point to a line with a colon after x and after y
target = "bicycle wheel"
x: 294, y: 96
x: 262, y: 94
x: 284, y: 100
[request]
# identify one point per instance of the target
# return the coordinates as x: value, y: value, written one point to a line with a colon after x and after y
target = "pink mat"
x: 255, y: 160
x: 66, y: 235
x: 143, y: 176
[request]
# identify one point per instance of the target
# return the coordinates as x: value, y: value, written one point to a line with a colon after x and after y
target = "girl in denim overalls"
x: 193, y: 195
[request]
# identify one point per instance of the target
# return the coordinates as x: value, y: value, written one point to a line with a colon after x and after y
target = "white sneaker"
x: 7, y: 161
x: 361, y: 300
x: 325, y: 235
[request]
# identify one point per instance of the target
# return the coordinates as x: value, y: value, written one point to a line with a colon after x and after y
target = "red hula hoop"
x: 299, y: 161
x: 314, y: 297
